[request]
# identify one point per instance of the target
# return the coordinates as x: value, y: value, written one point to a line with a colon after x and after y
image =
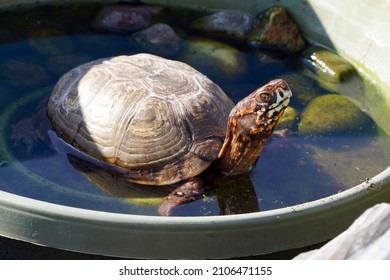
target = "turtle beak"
x: 283, y: 90
x: 282, y: 94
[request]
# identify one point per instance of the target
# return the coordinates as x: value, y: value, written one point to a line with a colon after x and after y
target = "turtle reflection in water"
x: 159, y: 122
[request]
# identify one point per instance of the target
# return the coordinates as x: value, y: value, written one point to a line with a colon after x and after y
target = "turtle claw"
x: 189, y: 191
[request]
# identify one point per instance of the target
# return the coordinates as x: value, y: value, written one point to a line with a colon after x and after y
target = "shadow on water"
x: 285, y: 175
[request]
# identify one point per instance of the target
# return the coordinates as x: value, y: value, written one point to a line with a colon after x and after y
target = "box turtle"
x: 160, y: 122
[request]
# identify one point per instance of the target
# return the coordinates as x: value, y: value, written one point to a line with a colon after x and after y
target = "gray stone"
x: 226, y: 24
x: 368, y: 238
x: 125, y: 19
x: 159, y: 39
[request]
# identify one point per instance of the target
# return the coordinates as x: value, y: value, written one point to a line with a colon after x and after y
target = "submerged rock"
x: 233, y: 25
x: 327, y: 65
x: 125, y: 19
x: 103, y: 45
x: 276, y: 30
x: 160, y: 39
x: 305, y: 88
x: 49, y: 41
x: 331, y: 114
x: 288, y: 119
x: 215, y: 58
x: 21, y: 74
x: 348, y: 159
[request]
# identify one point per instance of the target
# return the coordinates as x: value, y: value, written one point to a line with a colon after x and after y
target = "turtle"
x: 160, y: 122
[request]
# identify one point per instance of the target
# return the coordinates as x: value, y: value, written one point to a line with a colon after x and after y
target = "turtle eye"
x: 264, y: 97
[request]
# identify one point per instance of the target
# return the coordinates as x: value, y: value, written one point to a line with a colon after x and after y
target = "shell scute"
x: 160, y: 120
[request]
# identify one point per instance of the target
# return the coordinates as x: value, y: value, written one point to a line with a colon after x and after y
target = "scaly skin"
x: 187, y: 192
x: 250, y: 124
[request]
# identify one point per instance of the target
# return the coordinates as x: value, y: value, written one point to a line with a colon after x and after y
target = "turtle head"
x: 264, y: 107
x: 250, y: 124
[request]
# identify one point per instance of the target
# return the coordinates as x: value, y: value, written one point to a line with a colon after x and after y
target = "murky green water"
x: 292, y: 169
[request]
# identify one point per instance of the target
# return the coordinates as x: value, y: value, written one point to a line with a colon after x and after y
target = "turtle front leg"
x: 27, y: 133
x: 23, y: 133
x: 188, y: 191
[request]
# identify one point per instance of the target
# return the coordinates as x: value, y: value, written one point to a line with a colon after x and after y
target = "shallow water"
x: 293, y: 169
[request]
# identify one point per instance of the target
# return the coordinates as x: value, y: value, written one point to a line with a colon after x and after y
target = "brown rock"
x: 276, y: 30
x: 125, y: 19
x: 158, y: 39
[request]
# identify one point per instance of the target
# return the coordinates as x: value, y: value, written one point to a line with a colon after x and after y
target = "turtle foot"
x: 189, y: 191
x: 28, y: 133
x: 23, y: 134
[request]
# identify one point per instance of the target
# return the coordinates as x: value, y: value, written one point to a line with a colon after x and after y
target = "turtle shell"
x: 159, y: 120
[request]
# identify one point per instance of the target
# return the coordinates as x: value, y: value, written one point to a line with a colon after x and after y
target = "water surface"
x: 293, y: 169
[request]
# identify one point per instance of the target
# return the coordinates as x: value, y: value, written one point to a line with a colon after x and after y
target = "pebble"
x: 215, y: 58
x: 332, y: 114
x: 125, y: 19
x: 233, y: 25
x: 276, y: 30
x: 327, y: 65
x: 159, y: 39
